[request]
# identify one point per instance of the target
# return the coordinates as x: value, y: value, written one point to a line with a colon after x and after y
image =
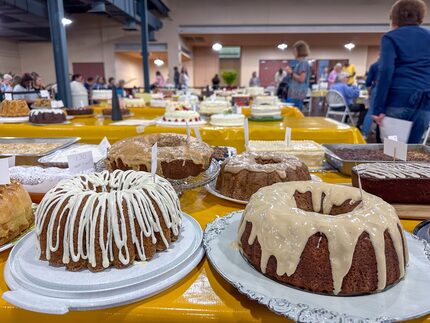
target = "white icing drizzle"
x: 136, y: 189
x: 283, y: 229
x: 38, y: 111
x: 394, y: 170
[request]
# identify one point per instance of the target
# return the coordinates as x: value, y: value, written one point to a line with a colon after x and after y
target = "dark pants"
x: 361, y: 110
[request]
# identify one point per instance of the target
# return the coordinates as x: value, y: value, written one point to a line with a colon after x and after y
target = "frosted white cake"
x: 158, y: 103
x: 308, y: 151
x: 213, y: 107
x: 134, y: 103
x: 227, y: 120
x: 255, y: 90
x: 189, y: 98
x: 265, y: 111
x: 266, y: 100
x: 180, y: 112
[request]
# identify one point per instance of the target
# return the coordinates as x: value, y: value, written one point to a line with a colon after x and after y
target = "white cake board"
x: 37, y: 286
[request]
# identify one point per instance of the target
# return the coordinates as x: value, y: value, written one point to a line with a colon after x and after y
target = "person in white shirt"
x: 79, y: 92
x: 24, y: 86
x: 279, y: 76
x: 6, y: 83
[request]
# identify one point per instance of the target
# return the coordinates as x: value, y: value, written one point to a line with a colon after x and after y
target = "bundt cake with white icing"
x: 323, y: 238
x: 107, y: 219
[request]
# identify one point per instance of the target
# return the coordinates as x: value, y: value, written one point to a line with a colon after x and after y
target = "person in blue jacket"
x: 372, y: 75
x: 403, y: 87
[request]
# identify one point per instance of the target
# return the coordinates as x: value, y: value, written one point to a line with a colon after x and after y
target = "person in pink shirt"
x: 332, y: 77
x: 159, y: 79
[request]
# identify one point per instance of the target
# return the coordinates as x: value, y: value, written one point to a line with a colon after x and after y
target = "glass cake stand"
x: 191, y: 182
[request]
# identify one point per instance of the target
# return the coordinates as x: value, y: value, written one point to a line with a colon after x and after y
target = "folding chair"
x: 338, y: 107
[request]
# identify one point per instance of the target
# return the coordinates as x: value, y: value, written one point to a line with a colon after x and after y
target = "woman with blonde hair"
x: 298, y: 84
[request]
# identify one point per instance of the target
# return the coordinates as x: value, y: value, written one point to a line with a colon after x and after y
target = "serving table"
x: 202, y: 295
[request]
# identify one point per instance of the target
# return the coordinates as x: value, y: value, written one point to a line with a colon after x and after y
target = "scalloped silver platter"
x: 202, y: 179
x: 406, y: 300
x: 210, y: 187
x: 422, y: 230
x: 37, y: 286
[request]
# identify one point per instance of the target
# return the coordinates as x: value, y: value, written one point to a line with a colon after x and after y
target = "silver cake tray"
x: 406, y: 300
x: 211, y: 188
x: 192, y: 182
x: 345, y: 166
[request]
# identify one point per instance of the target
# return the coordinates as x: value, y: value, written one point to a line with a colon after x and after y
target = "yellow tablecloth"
x: 202, y: 295
x: 92, y: 130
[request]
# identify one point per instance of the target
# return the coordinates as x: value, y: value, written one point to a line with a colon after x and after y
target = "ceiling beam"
x: 158, y: 5
x: 37, y: 8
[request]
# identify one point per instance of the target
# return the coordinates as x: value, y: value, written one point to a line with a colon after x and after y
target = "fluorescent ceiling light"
x: 282, y: 46
x: 349, y: 46
x: 158, y: 62
x: 66, y: 21
x: 217, y: 47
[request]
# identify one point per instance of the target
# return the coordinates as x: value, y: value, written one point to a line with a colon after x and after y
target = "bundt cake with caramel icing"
x: 107, y: 219
x: 178, y: 156
x: 243, y: 175
x: 16, y: 214
x: 14, y: 108
x: 323, y: 238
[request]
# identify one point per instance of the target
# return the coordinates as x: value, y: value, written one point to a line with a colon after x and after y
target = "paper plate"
x: 13, y: 119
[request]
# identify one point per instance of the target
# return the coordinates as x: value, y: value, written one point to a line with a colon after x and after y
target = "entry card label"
x: 81, y: 162
x: 396, y: 149
x: 4, y: 171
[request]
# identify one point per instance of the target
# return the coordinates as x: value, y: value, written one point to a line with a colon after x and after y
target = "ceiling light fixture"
x: 349, y: 46
x: 282, y: 46
x: 158, y: 62
x: 217, y: 47
x: 66, y: 21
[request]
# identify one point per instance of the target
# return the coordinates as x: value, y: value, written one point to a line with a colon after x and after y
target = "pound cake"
x: 107, y: 219
x: 178, y: 157
x: 395, y: 182
x: 308, y: 151
x: 16, y: 213
x: 323, y: 238
x: 14, y: 108
x: 243, y: 175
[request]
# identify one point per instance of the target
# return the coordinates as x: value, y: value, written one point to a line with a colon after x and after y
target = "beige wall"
x: 206, y: 62
x: 9, y: 57
x: 130, y: 68
x: 206, y: 65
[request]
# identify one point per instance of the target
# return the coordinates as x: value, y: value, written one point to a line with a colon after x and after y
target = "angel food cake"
x: 308, y: 151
